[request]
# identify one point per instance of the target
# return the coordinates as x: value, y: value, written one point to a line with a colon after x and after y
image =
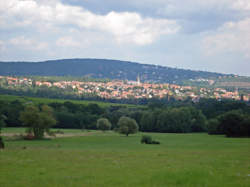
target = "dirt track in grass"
x: 56, y: 136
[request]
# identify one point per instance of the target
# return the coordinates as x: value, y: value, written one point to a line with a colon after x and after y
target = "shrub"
x: 155, y: 142
x: 148, y: 140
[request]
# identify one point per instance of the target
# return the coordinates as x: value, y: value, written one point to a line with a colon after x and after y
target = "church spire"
x: 138, y: 79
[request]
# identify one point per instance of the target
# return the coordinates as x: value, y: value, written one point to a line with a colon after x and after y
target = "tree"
x: 38, y: 120
x: 148, y: 121
x: 2, y: 121
x: 176, y: 120
x: 198, y: 120
x: 127, y: 126
x: 234, y: 123
x: 212, y: 126
x: 103, y: 124
x: 1, y: 143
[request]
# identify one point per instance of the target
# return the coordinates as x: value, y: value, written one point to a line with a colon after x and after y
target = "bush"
x: 155, y: 142
x: 148, y: 140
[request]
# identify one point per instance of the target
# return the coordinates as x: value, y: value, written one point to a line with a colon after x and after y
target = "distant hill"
x: 103, y: 68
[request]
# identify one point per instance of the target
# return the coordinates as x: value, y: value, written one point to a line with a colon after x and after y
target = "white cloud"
x: 2, y: 46
x: 26, y: 43
x: 124, y: 27
x: 67, y: 42
x: 231, y: 37
x: 183, y: 8
x: 241, y: 4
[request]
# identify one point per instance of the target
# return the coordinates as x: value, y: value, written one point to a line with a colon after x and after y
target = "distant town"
x: 125, y: 89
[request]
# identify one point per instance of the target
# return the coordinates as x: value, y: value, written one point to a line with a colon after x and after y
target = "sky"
x: 209, y: 35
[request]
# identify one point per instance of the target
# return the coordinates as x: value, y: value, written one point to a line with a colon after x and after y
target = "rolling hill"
x: 103, y: 68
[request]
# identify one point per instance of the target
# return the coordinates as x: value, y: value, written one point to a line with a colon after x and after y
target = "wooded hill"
x: 103, y: 68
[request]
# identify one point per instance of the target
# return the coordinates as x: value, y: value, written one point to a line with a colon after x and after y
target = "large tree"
x: 127, y: 126
x: 38, y: 120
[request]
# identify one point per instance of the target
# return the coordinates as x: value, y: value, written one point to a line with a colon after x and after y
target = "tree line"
x: 215, y: 117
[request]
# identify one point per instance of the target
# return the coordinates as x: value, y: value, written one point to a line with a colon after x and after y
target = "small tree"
x: 127, y: 126
x: 38, y: 120
x: 103, y: 124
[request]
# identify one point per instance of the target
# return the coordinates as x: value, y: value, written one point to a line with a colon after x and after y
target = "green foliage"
x: 103, y: 124
x: 37, y: 100
x: 175, y: 120
x: 12, y: 111
x: 1, y: 143
x: 2, y: 121
x: 178, y: 117
x: 198, y: 122
x: 148, y: 121
x: 146, y: 139
x: 127, y: 125
x: 235, y: 124
x: 213, y: 126
x: 212, y: 108
x: 38, y: 120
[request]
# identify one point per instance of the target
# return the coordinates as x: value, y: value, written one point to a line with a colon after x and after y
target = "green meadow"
x: 38, y: 100
x: 94, y: 158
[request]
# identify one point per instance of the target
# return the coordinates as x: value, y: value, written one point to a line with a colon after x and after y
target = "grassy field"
x: 109, y: 159
x: 38, y: 100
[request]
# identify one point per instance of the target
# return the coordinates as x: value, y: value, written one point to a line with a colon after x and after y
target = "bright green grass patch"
x: 38, y: 100
x: 109, y: 159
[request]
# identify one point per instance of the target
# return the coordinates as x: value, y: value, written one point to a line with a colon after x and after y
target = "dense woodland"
x: 215, y: 117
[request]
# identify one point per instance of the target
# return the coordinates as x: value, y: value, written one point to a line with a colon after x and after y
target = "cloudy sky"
x: 212, y: 35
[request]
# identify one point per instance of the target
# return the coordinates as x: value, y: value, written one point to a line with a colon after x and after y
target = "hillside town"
x: 124, y: 89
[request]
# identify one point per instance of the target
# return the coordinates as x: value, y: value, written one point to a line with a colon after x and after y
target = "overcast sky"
x: 211, y: 35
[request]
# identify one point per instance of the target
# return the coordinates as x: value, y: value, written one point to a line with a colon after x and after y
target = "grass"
x: 38, y: 100
x: 109, y: 159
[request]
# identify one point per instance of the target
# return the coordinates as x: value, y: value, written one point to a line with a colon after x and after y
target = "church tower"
x: 138, y: 79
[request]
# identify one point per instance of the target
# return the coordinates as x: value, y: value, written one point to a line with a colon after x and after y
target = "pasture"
x: 94, y: 158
